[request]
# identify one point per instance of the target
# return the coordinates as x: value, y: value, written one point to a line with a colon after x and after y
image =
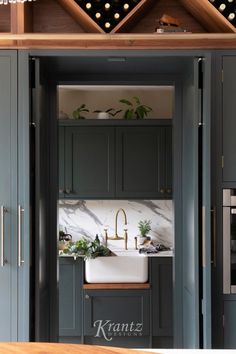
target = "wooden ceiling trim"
x: 208, y: 16
x: 119, y: 41
x: 21, y: 18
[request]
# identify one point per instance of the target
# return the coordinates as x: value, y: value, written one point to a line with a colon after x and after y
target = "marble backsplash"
x: 86, y: 218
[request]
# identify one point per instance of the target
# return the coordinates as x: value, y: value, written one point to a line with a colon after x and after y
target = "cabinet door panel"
x: 229, y: 121
x: 8, y: 194
x: 89, y: 162
x: 61, y: 162
x: 162, y: 296
x: 117, y: 307
x: 138, y: 163
x: 70, y: 297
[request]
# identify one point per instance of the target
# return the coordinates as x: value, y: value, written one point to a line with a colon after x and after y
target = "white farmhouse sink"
x: 126, y: 267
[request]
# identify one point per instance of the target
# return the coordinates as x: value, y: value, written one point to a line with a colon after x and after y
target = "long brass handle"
x: 213, y: 210
x: 20, y: 261
x: 2, y: 212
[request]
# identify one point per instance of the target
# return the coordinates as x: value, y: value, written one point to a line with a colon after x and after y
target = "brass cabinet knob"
x: 162, y: 190
x: 169, y: 191
x: 61, y: 191
x: 87, y: 297
x: 68, y: 191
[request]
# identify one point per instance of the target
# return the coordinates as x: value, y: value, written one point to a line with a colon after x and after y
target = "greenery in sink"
x: 85, y: 248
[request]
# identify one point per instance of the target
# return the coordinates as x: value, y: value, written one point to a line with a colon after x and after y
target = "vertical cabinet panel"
x: 70, y: 297
x: 229, y: 322
x: 8, y: 196
x: 229, y: 121
x: 138, y: 163
x: 61, y: 162
x: 162, y: 296
x: 89, y: 162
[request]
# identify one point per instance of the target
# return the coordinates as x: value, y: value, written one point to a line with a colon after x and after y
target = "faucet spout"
x: 116, y: 222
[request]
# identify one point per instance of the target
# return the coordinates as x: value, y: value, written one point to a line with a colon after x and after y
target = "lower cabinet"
x: 70, y: 300
x: 229, y: 321
x: 117, y: 317
x: 137, y: 318
x: 162, y: 302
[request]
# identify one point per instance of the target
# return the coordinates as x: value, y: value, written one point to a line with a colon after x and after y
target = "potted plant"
x: 78, y: 113
x: 136, y: 109
x: 144, y: 227
x: 106, y: 114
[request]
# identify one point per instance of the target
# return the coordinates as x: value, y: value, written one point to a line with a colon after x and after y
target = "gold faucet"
x: 117, y: 237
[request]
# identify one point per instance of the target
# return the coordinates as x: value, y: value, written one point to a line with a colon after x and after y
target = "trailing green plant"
x: 85, y: 248
x: 111, y: 111
x: 78, y: 113
x: 135, y: 109
x: 144, y: 227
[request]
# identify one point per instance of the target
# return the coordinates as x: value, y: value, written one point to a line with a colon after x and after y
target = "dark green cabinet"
x: 88, y: 162
x: 70, y: 299
x: 117, y: 317
x: 143, y: 162
x: 229, y: 321
x: 8, y: 197
x: 132, y: 161
x: 162, y: 301
x: 228, y: 118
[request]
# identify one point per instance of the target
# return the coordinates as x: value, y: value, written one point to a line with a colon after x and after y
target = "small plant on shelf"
x: 136, y: 109
x: 144, y: 227
x: 78, y: 113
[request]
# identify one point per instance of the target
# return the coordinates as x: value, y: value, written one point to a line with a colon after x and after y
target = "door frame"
x: 175, y: 80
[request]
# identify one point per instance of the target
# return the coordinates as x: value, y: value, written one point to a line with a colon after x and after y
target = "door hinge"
x: 222, y: 161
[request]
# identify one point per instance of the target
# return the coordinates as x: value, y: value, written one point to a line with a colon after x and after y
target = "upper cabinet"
x: 133, y: 161
x: 228, y: 121
x: 89, y: 162
x: 142, y: 162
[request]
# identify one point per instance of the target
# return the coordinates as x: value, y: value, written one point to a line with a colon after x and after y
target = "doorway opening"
x: 81, y: 72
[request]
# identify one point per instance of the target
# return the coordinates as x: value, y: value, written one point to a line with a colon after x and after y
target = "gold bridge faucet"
x: 117, y: 237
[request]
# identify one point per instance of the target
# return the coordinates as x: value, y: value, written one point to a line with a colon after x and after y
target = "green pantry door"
x: 196, y: 208
x: 8, y: 196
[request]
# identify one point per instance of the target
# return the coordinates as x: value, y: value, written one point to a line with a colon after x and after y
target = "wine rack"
x: 107, y: 14
x: 227, y: 8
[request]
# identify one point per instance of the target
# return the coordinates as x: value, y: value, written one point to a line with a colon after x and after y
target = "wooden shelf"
x: 118, y: 41
x: 117, y: 286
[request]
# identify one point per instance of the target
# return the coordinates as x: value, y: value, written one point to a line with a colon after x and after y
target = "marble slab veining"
x: 86, y: 218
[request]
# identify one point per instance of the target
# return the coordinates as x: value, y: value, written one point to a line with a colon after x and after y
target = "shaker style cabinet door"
x: 228, y: 118
x: 8, y: 196
x: 89, y: 162
x: 141, y: 163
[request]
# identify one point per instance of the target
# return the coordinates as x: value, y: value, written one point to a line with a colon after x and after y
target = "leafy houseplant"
x: 85, y: 248
x: 136, y: 109
x: 78, y: 113
x: 144, y: 227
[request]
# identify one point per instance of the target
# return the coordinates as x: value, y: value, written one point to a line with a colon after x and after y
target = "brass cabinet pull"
x: 2, y: 212
x: 20, y: 261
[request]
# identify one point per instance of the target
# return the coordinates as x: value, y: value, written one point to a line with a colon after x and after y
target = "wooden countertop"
x: 59, y: 348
